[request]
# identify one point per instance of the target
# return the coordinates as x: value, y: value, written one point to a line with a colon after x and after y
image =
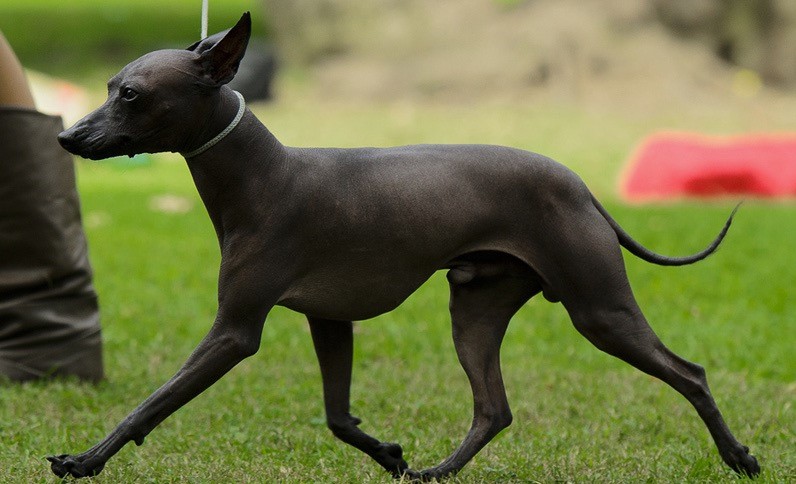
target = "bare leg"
x: 334, y: 345
x: 624, y: 333
x: 14, y: 90
x: 603, y: 309
x: 480, y: 310
x: 223, y: 348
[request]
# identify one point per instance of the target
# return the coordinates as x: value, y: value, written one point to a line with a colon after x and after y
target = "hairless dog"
x: 348, y: 234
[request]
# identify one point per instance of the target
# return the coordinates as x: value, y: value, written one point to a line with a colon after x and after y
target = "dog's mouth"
x: 95, y: 146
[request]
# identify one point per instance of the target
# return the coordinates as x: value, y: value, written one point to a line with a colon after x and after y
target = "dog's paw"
x: 410, y: 475
x: 390, y: 456
x: 742, y: 462
x: 428, y: 475
x: 75, y: 466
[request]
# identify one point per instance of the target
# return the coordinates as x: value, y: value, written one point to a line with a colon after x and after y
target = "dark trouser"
x: 49, y: 318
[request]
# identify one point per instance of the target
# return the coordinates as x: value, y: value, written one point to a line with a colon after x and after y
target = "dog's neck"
x: 248, y: 156
x: 223, y: 134
x: 223, y: 113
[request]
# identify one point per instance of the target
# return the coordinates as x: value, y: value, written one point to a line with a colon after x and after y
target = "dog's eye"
x: 128, y: 94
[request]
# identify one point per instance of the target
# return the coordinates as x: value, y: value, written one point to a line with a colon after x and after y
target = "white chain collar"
x: 223, y: 134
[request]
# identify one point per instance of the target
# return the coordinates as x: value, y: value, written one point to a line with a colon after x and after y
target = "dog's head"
x: 162, y: 101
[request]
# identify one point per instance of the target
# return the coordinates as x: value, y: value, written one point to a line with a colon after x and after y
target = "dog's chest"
x: 353, y: 294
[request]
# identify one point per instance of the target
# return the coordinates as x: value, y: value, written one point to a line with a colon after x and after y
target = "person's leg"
x: 49, y: 318
x: 14, y: 89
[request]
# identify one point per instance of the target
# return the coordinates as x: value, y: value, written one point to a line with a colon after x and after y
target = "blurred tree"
x: 755, y: 34
x: 310, y: 30
x: 566, y: 48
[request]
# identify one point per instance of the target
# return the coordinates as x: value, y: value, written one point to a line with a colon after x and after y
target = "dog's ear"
x: 208, y: 42
x: 220, y: 54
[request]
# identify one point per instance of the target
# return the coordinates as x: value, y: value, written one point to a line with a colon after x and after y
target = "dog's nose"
x: 66, y: 140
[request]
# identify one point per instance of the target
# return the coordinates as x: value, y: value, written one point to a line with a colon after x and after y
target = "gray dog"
x: 347, y: 234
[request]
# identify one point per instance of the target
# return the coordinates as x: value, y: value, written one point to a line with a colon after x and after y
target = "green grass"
x: 580, y: 416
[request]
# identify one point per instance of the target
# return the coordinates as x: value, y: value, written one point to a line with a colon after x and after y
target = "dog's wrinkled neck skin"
x: 215, y: 128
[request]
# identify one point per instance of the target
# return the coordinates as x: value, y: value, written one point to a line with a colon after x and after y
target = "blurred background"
x: 614, y: 54
x: 570, y: 51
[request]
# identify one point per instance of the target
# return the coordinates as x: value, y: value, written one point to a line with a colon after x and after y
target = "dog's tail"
x: 644, y: 253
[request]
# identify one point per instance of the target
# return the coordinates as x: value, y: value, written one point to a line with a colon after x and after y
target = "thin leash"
x: 204, y: 18
x: 241, y: 102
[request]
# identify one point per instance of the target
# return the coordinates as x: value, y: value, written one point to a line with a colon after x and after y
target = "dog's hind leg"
x: 484, y: 297
x: 597, y: 295
x: 334, y: 346
x: 623, y: 332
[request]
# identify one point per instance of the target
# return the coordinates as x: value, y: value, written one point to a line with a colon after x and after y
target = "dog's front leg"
x: 334, y: 346
x: 222, y: 348
x: 235, y: 335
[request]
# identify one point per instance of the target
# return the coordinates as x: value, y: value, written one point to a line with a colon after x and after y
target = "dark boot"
x: 49, y: 318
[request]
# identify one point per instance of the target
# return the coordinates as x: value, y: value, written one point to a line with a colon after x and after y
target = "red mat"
x: 675, y: 165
